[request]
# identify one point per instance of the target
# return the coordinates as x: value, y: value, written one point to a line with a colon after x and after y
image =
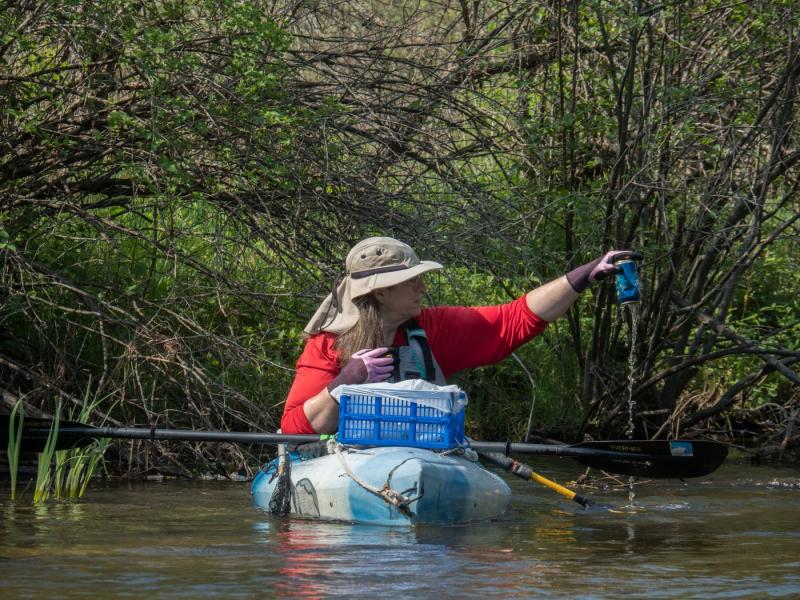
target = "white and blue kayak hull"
x: 437, y: 488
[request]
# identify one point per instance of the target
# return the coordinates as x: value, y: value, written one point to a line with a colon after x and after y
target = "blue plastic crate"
x: 370, y: 420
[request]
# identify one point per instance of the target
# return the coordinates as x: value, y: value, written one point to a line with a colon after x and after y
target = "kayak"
x: 388, y: 485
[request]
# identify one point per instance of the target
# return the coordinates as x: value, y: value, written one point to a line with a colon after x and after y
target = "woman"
x: 378, y: 305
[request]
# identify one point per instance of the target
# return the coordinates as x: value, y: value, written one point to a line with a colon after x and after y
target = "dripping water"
x: 632, y: 318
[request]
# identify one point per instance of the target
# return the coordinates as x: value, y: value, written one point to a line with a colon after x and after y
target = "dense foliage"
x: 179, y: 184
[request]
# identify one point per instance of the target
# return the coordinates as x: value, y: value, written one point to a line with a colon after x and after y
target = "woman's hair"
x: 367, y: 333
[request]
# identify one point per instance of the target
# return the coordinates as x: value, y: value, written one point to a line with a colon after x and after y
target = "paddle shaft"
x: 235, y: 437
x: 629, y: 457
x: 575, y: 451
x: 246, y: 437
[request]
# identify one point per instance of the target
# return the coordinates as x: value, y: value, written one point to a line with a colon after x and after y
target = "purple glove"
x: 599, y: 268
x: 365, y: 366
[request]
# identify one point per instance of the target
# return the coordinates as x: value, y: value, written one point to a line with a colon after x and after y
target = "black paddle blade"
x: 35, y: 432
x: 660, y: 459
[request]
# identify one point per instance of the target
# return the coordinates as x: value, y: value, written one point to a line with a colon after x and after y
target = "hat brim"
x: 362, y: 287
x: 341, y: 315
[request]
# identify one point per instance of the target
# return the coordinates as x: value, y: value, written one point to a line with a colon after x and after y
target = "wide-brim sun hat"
x: 373, y: 263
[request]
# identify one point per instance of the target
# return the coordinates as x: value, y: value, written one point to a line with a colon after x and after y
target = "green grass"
x: 14, y: 441
x: 62, y: 474
x: 74, y: 468
x: 43, y: 473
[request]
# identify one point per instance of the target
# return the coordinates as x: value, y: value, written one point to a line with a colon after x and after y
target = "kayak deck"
x: 395, y: 486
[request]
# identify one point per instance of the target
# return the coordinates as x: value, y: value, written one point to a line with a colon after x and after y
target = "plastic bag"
x: 447, y: 398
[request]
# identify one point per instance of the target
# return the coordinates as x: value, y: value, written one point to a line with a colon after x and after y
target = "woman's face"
x: 402, y: 301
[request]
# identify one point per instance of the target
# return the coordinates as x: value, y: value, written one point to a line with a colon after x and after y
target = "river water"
x: 735, y: 534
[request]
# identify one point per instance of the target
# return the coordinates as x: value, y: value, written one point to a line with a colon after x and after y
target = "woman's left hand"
x: 606, y: 266
x: 599, y: 268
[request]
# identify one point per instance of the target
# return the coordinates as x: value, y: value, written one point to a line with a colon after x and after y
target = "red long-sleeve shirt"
x: 460, y: 337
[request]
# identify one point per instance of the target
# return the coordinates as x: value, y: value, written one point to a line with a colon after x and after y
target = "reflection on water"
x: 726, y: 536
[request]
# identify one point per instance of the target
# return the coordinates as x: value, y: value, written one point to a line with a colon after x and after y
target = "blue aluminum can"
x: 627, y: 282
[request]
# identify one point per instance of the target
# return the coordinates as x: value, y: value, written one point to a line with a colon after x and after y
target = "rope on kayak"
x: 280, y: 503
x: 393, y: 497
x: 467, y: 453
